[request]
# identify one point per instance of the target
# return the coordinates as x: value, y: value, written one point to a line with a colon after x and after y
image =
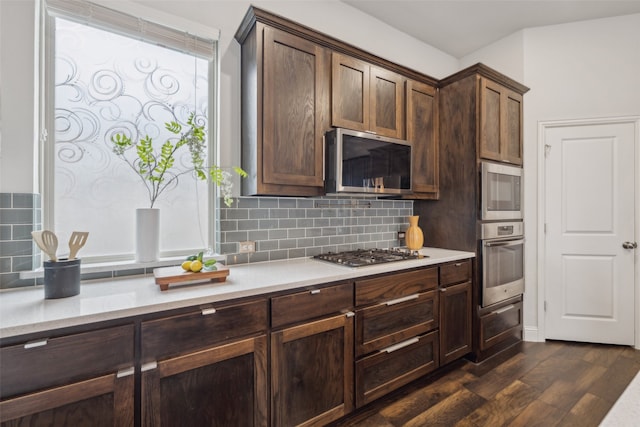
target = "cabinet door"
x: 455, y: 322
x: 386, y: 103
x: 350, y: 93
x: 103, y: 401
x: 422, y: 131
x: 222, y: 386
x: 295, y: 113
x: 500, y: 123
x: 312, y: 372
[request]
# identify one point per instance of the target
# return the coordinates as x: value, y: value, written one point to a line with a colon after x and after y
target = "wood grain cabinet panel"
x: 312, y: 372
x: 285, y: 112
x: 311, y: 303
x: 500, y: 123
x: 366, y: 98
x: 455, y: 272
x: 391, y: 368
x: 422, y: 132
x: 455, y: 322
x: 224, y: 385
x: 84, y: 379
x: 392, y: 286
x: 391, y: 322
x: 202, y: 327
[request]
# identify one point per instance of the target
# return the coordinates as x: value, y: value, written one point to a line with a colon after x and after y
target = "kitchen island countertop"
x: 25, y: 311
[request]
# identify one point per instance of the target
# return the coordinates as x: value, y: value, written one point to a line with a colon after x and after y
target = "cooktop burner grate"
x: 364, y: 257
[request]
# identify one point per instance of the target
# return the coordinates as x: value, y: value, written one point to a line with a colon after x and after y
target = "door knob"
x: 629, y: 245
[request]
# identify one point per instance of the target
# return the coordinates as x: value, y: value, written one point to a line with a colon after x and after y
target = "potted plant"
x: 158, y: 172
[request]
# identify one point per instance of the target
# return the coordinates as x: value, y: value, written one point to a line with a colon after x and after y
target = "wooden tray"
x: 167, y: 276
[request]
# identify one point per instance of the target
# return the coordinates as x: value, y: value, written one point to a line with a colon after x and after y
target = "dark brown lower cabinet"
x: 312, y: 372
x: 103, y: 401
x: 395, y: 366
x: 455, y: 322
x: 225, y: 385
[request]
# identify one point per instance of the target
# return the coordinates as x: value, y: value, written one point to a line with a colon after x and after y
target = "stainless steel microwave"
x: 361, y: 162
x: 501, y: 191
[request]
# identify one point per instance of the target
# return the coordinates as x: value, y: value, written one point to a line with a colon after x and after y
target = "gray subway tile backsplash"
x: 281, y: 227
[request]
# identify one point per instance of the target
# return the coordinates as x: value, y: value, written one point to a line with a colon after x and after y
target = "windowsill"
x: 125, y: 268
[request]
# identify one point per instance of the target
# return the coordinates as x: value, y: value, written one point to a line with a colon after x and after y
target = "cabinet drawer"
x: 62, y: 360
x: 501, y: 324
x: 201, y: 328
x: 395, y: 285
x: 455, y: 272
x: 310, y: 304
x: 391, y: 322
x: 387, y: 370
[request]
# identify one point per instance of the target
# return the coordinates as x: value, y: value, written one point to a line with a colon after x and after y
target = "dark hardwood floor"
x: 538, y: 384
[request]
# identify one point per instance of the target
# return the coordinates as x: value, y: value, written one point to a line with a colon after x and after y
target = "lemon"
x: 196, y: 266
x: 187, y: 265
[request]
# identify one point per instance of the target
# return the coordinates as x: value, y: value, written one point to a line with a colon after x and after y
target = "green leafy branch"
x: 156, y: 170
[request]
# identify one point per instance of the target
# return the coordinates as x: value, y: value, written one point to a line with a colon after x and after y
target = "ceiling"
x: 459, y: 27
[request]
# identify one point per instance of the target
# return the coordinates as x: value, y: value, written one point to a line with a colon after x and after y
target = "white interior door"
x: 590, y: 214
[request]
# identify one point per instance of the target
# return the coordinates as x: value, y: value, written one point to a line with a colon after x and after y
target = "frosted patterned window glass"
x: 106, y: 83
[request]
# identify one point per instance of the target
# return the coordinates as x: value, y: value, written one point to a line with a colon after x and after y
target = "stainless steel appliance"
x: 501, y: 192
x: 501, y: 261
x: 364, y: 257
x: 361, y: 162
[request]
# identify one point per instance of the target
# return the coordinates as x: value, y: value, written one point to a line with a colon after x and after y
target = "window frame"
x: 165, y: 24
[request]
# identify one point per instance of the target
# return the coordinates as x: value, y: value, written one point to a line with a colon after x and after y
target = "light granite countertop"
x: 25, y: 311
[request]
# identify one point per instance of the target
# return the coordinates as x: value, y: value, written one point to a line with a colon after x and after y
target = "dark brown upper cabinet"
x: 285, y: 112
x: 422, y: 131
x: 501, y: 123
x: 366, y: 98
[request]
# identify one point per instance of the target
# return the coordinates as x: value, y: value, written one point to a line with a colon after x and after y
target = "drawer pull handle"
x: 503, y: 309
x: 349, y: 314
x: 207, y: 311
x: 33, y: 344
x: 148, y: 366
x: 403, y: 299
x: 443, y: 289
x: 458, y: 264
x: 314, y: 292
x: 125, y: 372
x: 403, y: 344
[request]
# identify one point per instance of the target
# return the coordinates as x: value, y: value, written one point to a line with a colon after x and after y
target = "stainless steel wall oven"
x: 501, y: 261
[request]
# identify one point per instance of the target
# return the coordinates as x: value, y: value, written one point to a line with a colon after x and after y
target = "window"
x: 109, y: 72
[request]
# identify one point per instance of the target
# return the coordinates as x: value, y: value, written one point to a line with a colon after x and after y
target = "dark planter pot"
x: 61, y: 278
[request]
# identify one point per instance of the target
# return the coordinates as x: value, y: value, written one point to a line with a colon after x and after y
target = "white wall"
x: 581, y: 70
x: 328, y: 16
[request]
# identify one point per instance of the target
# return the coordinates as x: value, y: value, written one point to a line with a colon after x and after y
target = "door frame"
x: 541, y: 268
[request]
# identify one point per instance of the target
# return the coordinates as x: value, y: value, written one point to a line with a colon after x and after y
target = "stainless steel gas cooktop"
x: 364, y: 257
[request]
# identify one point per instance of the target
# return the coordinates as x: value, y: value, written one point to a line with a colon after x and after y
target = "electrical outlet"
x: 248, y: 246
x: 401, y: 235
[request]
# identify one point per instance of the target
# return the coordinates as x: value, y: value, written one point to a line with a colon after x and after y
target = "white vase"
x: 147, y: 234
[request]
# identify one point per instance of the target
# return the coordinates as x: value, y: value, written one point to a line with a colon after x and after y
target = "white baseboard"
x: 531, y: 333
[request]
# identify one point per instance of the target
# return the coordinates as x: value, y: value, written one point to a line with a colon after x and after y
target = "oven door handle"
x: 505, y: 243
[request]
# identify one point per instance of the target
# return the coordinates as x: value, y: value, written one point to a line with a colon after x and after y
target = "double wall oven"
x: 501, y: 241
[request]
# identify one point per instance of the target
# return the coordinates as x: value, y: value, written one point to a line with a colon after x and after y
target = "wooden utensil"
x: 37, y: 237
x: 76, y: 241
x: 50, y: 242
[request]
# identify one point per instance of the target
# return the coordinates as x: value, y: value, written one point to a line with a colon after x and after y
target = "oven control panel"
x: 500, y: 230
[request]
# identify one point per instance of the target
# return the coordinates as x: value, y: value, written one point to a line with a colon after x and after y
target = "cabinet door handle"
x: 208, y: 311
x: 403, y: 299
x: 400, y: 345
x: 314, y: 292
x: 125, y: 372
x: 503, y: 309
x: 349, y: 314
x: 442, y: 289
x: 39, y: 343
x: 148, y: 366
